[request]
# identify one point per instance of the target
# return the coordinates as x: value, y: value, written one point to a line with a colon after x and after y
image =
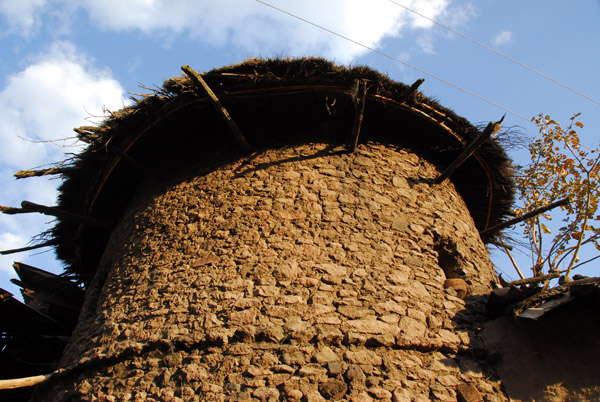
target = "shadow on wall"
x: 554, y: 358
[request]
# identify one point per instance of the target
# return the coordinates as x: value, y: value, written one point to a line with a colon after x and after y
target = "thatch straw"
x: 274, y: 103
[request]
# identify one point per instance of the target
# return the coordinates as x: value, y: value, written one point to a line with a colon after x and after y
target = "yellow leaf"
x: 578, y: 124
x: 545, y: 229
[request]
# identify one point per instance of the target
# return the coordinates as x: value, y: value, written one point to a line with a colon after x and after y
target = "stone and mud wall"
x: 305, y: 273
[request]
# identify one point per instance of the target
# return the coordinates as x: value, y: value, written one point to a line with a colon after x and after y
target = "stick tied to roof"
x: 30, y: 207
x: 24, y: 382
x: 88, y: 134
x: 28, y: 248
x: 22, y: 174
x: 200, y: 83
x: 491, y: 129
x: 526, y: 216
x: 359, y: 96
x: 535, y: 279
x: 413, y: 88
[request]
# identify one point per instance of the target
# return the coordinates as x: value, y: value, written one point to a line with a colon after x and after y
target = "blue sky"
x: 63, y: 63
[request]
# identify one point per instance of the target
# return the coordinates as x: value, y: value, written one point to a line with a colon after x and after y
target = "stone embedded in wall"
x: 288, y: 277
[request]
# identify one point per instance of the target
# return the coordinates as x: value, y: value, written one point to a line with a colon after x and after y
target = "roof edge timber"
x: 113, y: 145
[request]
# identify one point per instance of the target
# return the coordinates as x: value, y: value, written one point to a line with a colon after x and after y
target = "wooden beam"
x: 28, y: 248
x: 24, y: 382
x: 22, y: 174
x: 535, y: 279
x: 521, y: 218
x: 500, y: 243
x: 413, y: 88
x: 87, y: 134
x: 199, y: 83
x: 30, y: 207
x: 359, y: 97
x: 469, y: 150
x: 11, y: 210
x: 507, y: 249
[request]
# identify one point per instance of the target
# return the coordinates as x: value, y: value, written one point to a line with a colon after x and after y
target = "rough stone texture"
x: 293, y: 275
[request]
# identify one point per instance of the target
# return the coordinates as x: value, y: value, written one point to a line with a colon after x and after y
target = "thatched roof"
x: 274, y: 103
x: 35, y: 333
x: 533, y: 301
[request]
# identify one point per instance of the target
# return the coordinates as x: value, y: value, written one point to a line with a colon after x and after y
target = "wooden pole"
x: 24, y: 382
x: 521, y: 218
x: 468, y: 151
x: 29, y: 207
x: 87, y: 134
x: 512, y: 260
x: 28, y: 248
x: 535, y: 279
x: 200, y: 83
x: 359, y: 98
x: 22, y: 174
x: 413, y: 88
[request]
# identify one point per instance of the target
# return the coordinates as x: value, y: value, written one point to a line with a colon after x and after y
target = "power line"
x: 396, y: 60
x: 497, y: 52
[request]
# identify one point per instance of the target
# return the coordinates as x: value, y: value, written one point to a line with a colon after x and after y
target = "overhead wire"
x: 395, y: 59
x: 491, y: 49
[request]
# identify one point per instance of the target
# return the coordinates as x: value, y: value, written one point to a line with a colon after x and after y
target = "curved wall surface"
x: 303, y: 273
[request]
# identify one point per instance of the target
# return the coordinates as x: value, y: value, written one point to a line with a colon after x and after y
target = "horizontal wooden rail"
x: 24, y: 382
x: 521, y: 218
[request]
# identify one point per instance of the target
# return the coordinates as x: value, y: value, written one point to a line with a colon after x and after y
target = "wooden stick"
x: 53, y: 211
x: 22, y: 174
x: 535, y: 279
x: 28, y: 248
x: 359, y: 98
x: 499, y: 244
x: 10, y: 210
x: 29, y: 207
x: 200, y: 83
x: 85, y: 129
x: 413, y: 88
x: 521, y: 218
x: 87, y: 134
x: 468, y: 151
x: 510, y: 256
x: 24, y: 382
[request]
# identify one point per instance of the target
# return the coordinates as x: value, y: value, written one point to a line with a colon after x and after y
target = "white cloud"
x: 57, y: 91
x: 46, y: 100
x: 432, y: 9
x: 21, y: 15
x: 248, y: 24
x: 459, y: 15
x: 9, y: 241
x: 262, y: 30
x: 425, y: 42
x: 503, y: 38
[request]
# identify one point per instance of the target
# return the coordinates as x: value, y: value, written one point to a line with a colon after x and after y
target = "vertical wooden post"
x: 359, y: 98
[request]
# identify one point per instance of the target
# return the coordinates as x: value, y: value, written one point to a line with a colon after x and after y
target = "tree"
x: 560, y: 168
